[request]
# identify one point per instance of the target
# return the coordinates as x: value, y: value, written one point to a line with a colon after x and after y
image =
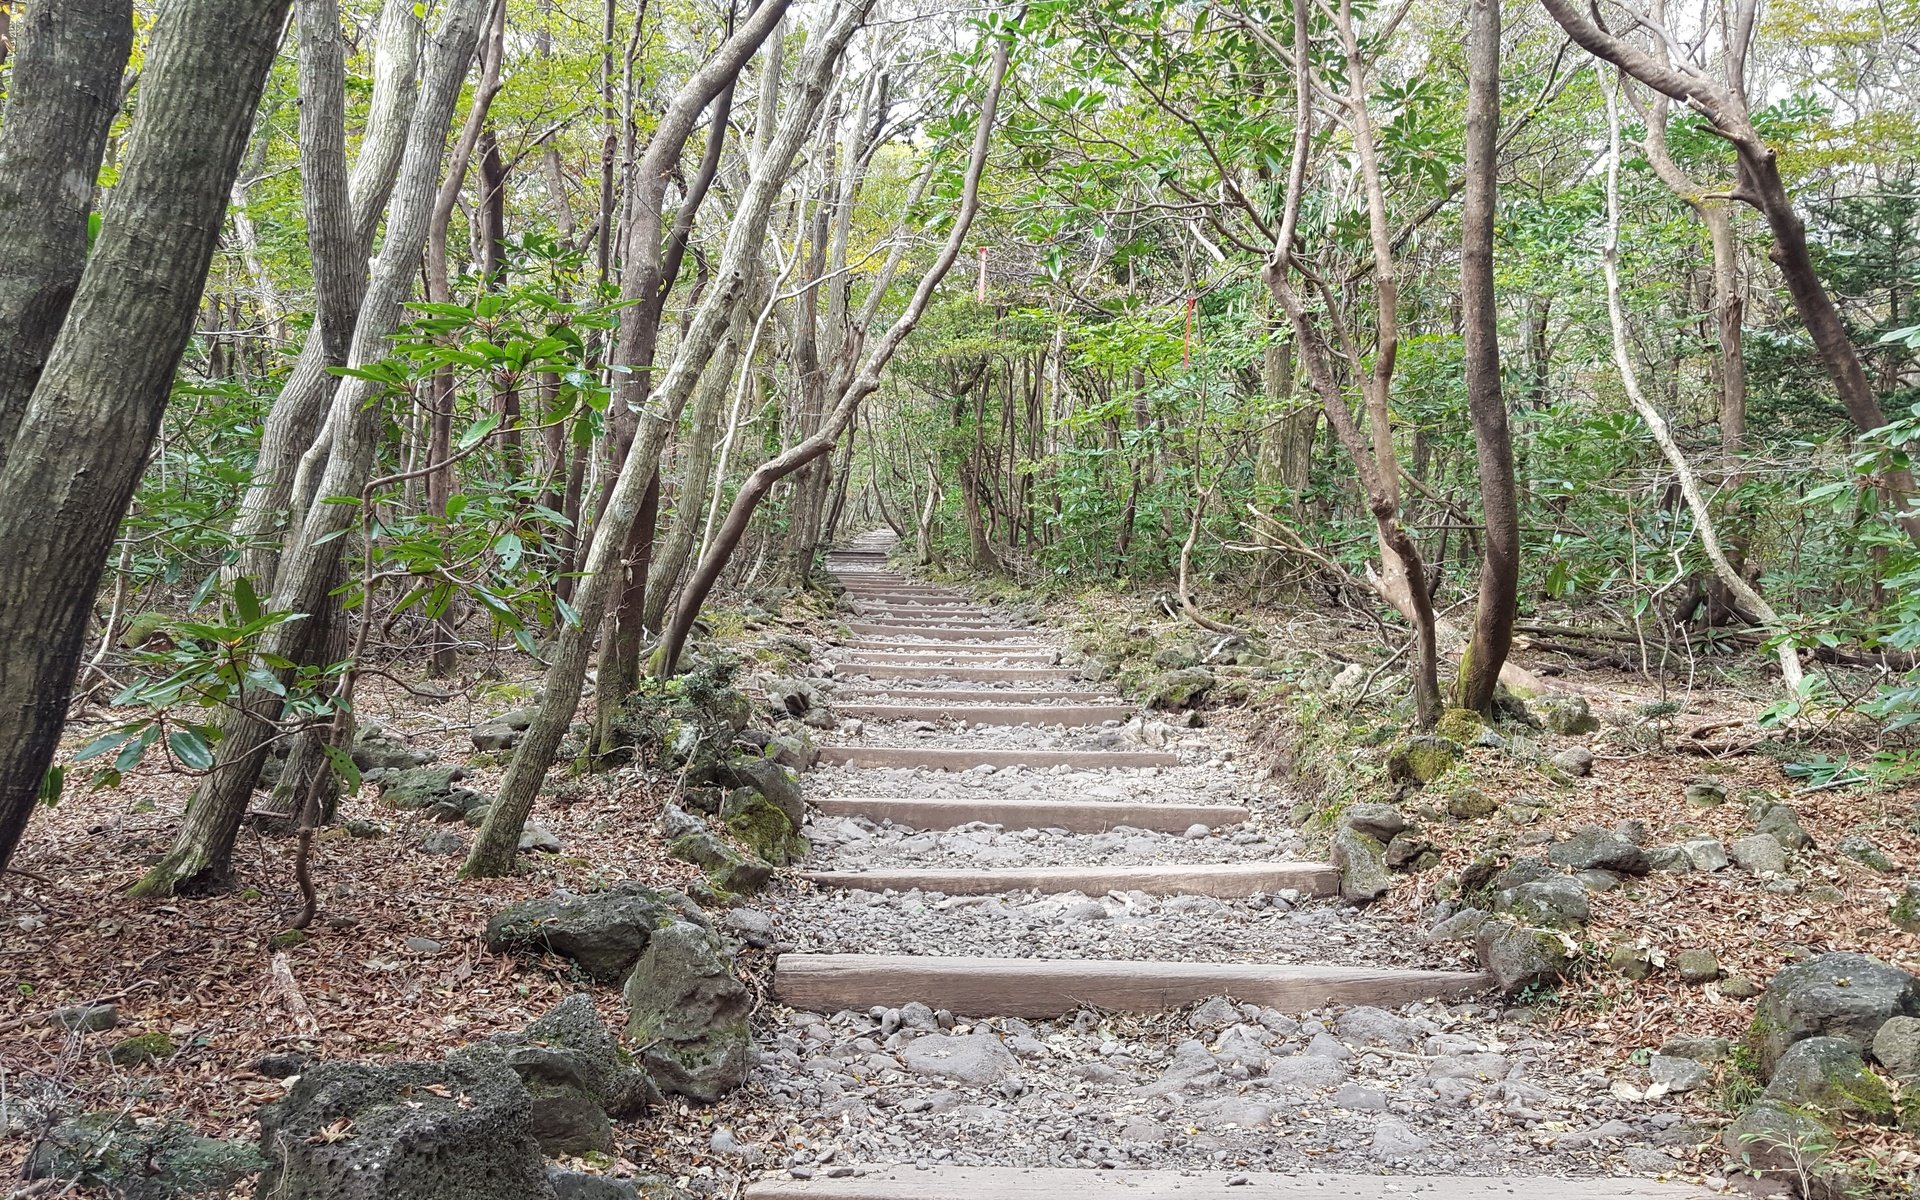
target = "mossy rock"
x: 141, y: 1049
x: 141, y: 629
x: 1829, y: 1076
x: 286, y: 939
x: 1421, y: 759
x: 110, y: 1151
x: 1460, y: 725
x: 756, y: 821
x: 1179, y: 689
x: 727, y: 868
x: 1904, y: 912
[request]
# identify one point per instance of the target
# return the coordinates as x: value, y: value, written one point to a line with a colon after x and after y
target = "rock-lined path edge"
x: 950, y: 697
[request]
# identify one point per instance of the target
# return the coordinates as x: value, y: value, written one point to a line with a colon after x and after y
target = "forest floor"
x: 395, y: 968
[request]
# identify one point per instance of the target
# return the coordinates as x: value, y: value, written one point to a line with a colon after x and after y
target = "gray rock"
x: 1699, y: 1049
x: 578, y: 1185
x: 1635, y: 830
x: 771, y: 780
x: 1365, y: 1025
x: 110, y: 1151
x: 1362, y: 861
x: 1410, y: 852
x: 1831, y: 995
x: 1595, y: 847
x: 690, y: 1013
x: 1554, y: 903
x: 1707, y: 853
x: 1421, y: 759
x: 975, y: 1059
x: 1521, y: 956
x: 1679, y: 1074
x: 1215, y: 1013
x: 1829, y: 1076
x: 1305, y: 1073
x: 1576, y: 761
x: 425, y: 945
x: 1669, y: 859
x: 504, y: 731
x: 754, y: 927
x: 603, y: 932
x: 414, y: 1131
x: 1761, y: 854
x: 1897, y: 1048
x: 444, y: 841
x: 1523, y: 870
x: 1771, y: 1139
x: 538, y: 839
x: 1460, y: 927
x: 577, y: 1049
x: 1565, y: 714
x: 1381, y: 822
x: 795, y: 751
x: 1392, y: 1139
x: 88, y: 1018
x: 377, y: 748
x: 1355, y: 1098
x: 417, y: 787
x: 729, y: 869
x: 1861, y: 849
x: 1698, y: 966
x: 1780, y: 821
x: 1325, y: 1045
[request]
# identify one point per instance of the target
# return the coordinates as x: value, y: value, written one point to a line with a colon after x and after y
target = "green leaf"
x: 190, y: 748
x: 342, y: 764
x: 245, y: 601
x: 51, y: 785
x: 478, y: 430
x: 111, y: 740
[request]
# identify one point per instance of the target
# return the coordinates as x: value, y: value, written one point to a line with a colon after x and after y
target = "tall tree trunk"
x: 499, y: 838
x: 1480, y: 330
x: 83, y: 439
x: 202, y: 849
x: 65, y: 94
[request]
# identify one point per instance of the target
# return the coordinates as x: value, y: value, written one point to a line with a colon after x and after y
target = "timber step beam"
x: 1012, y: 714
x: 964, y: 656
x: 1052, y: 987
x: 1229, y: 881
x: 950, y: 696
x: 906, y: 1182
x: 967, y: 674
x: 1074, y: 816
x: 950, y: 758
x: 939, y: 633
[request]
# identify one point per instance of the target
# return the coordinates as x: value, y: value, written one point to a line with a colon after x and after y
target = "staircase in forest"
x: 922, y: 658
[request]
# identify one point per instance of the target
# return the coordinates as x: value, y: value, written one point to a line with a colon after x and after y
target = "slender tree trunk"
x: 84, y: 436
x: 202, y: 848
x: 65, y: 94
x: 499, y: 839
x: 1499, y: 599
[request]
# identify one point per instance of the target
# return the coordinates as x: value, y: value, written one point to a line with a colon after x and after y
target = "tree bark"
x: 1499, y: 599
x: 83, y: 439
x: 65, y: 94
x: 202, y: 848
x: 499, y: 838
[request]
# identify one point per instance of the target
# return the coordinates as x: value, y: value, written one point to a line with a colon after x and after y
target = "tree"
x: 1480, y: 330
x: 83, y: 438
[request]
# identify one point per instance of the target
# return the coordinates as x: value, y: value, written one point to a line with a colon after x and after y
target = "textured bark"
x: 856, y: 389
x: 202, y: 849
x: 1499, y: 599
x: 66, y: 90
x: 499, y: 838
x: 294, y: 419
x: 83, y: 439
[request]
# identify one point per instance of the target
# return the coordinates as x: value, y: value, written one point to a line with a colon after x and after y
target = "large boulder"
x: 158, y: 1160
x: 417, y: 787
x: 690, y: 1013
x: 1523, y: 956
x: 1557, y: 903
x: 455, y: 1130
x: 1596, y: 848
x: 1832, y: 995
x: 1183, y: 688
x: 504, y: 731
x: 1778, y: 1141
x: 1381, y: 822
x: 768, y: 778
x: 1830, y: 1076
x: 377, y: 748
x: 603, y: 932
x: 577, y: 1075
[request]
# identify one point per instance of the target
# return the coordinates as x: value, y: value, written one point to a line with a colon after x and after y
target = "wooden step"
x: 953, y: 758
x: 906, y: 1182
x: 1050, y: 987
x: 939, y: 633
x: 976, y: 695
x: 905, y: 644
x: 1077, y: 816
x: 1222, y: 881
x: 1012, y: 714
x: 963, y: 674
x: 868, y: 589
x: 963, y: 655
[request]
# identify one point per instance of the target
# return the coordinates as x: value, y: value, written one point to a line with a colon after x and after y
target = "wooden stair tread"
x: 1050, y: 987
x: 1010, y: 714
x: 1077, y: 816
x: 905, y: 1182
x: 1223, y: 881
x: 980, y: 695
x: 976, y: 674
x: 957, y: 758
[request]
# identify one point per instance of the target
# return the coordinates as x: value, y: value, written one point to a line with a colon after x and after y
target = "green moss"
x: 1422, y: 759
x: 1460, y: 724
x: 140, y: 1049
x: 1905, y: 910
x: 287, y: 939
x: 141, y: 629
x: 763, y: 827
